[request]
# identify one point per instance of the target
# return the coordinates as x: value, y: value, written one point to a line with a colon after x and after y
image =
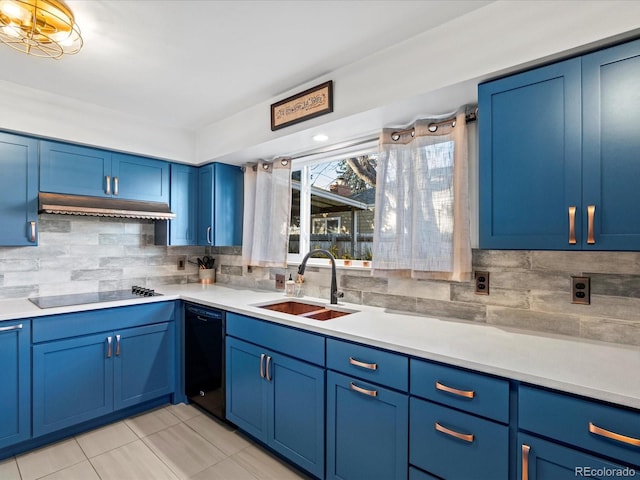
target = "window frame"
x: 304, y: 164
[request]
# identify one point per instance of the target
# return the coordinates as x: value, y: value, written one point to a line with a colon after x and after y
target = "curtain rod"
x: 470, y: 116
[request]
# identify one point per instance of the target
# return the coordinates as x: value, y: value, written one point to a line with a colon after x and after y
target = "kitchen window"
x: 332, y: 205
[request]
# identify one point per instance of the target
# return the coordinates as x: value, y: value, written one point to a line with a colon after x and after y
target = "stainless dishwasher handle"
x: 12, y: 327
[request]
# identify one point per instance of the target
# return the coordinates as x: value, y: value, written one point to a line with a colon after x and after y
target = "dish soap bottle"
x: 290, y: 287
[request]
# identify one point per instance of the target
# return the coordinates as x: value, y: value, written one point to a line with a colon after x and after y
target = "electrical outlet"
x: 279, y: 281
x: 181, y: 263
x: 581, y: 290
x: 482, y: 283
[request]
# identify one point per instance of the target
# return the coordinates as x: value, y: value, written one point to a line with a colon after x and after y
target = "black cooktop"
x: 96, y: 297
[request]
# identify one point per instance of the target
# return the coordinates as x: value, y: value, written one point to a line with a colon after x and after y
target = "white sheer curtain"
x: 421, y: 227
x: 267, y: 208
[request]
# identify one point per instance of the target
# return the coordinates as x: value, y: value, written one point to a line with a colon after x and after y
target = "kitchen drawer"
x: 452, y: 444
x: 290, y: 341
x: 67, y: 325
x: 472, y: 392
x: 368, y: 363
x: 569, y: 419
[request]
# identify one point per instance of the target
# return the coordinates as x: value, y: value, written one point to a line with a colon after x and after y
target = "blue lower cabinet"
x: 279, y: 400
x: 15, y: 378
x: 542, y: 460
x: 367, y: 430
x: 82, y: 378
x: 455, y: 445
x: 144, y: 364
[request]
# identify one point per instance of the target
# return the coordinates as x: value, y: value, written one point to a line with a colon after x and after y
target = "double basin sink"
x: 306, y: 310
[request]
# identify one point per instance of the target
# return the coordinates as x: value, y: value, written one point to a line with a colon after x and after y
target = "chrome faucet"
x: 335, y: 294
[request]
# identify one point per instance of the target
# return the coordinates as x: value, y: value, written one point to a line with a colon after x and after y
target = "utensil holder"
x: 207, y: 275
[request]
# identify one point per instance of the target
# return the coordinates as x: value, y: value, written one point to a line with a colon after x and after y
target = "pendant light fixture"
x: 43, y: 28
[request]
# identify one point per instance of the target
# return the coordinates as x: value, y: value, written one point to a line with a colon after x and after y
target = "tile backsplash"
x: 77, y: 254
x: 529, y: 290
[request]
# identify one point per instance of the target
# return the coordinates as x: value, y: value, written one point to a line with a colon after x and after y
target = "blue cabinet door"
x: 138, y: 178
x: 220, y: 205
x: 611, y: 113
x: 542, y: 460
x: 72, y: 381
x: 18, y: 190
x: 144, y: 364
x: 74, y: 169
x: 296, y: 411
x: 530, y: 158
x: 184, y: 203
x: 15, y: 378
x: 367, y: 430
x: 247, y: 391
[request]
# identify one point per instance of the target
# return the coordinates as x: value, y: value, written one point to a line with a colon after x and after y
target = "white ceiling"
x: 187, y: 63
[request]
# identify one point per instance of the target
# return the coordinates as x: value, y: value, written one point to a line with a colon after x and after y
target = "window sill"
x: 340, y: 263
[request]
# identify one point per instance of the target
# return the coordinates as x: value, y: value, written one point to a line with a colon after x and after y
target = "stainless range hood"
x: 103, y: 207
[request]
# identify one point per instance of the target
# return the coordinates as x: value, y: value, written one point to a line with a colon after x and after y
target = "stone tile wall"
x: 528, y: 290
x: 87, y: 254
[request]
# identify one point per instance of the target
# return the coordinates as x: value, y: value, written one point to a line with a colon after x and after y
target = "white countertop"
x: 599, y: 370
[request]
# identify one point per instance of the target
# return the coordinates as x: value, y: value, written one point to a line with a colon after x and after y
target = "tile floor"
x: 173, y: 442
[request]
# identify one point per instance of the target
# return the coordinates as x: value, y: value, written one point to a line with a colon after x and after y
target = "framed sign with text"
x: 311, y: 103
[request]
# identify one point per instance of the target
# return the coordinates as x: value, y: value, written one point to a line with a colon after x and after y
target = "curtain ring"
x: 284, y: 162
x: 266, y: 166
x: 395, y: 136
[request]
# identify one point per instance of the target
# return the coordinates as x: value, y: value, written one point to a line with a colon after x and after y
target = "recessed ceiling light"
x: 321, y: 137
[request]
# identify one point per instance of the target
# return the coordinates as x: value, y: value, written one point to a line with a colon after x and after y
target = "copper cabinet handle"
x: 572, y: 225
x: 364, y: 391
x: 267, y: 368
x: 115, y: 185
x: 32, y: 226
x: 525, y: 462
x: 613, y: 436
x: 591, y: 212
x: 117, y: 345
x: 467, y: 437
x: 455, y: 391
x: 209, y: 235
x: 108, y: 182
x: 109, y: 347
x: 262, y: 355
x: 357, y: 363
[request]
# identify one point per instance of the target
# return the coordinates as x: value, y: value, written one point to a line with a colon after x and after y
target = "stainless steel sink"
x: 306, y: 310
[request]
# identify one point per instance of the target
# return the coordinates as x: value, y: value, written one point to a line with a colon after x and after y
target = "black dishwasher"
x: 204, y: 358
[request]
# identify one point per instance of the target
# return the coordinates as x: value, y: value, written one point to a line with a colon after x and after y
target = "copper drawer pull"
x: 525, y: 462
x: 462, y: 436
x: 455, y: 391
x: 370, y: 366
x: 613, y: 436
x: 117, y: 345
x: 591, y: 212
x: 371, y: 393
x: 572, y: 225
x: 109, y: 347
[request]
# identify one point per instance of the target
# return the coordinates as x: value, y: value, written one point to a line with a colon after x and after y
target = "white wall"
x: 431, y: 73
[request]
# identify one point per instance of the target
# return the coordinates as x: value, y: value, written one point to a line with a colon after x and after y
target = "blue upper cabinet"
x: 138, y: 178
x: 74, y: 169
x: 184, y: 203
x: 530, y: 173
x: 558, y: 155
x: 78, y: 170
x: 611, y: 152
x: 18, y: 190
x: 220, y: 205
